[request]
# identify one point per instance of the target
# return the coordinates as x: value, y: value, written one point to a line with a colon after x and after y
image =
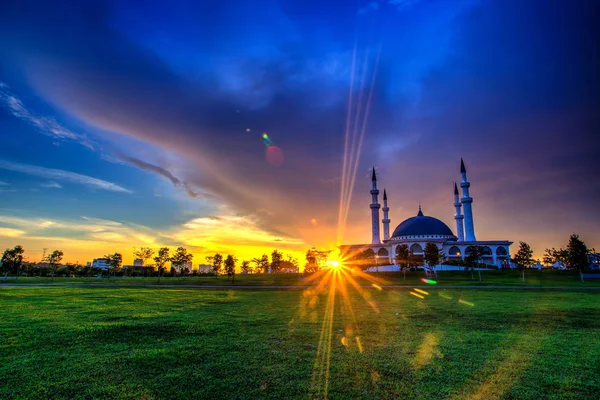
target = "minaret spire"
x: 460, y: 229
x: 386, y: 219
x: 467, y: 204
x: 376, y: 239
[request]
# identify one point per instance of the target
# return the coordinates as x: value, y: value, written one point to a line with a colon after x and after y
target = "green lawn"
x: 72, y: 342
x: 545, y: 278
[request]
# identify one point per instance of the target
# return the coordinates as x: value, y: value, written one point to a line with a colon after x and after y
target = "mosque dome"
x: 422, y: 225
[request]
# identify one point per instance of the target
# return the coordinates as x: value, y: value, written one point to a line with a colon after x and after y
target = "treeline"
x: 153, y: 263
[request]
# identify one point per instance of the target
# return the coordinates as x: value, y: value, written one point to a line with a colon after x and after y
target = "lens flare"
x: 429, y: 281
x: 274, y: 156
x: 467, y: 303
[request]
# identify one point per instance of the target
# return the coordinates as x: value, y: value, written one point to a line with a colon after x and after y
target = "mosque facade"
x: 416, y: 232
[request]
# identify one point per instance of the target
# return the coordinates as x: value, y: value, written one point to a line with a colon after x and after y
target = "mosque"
x: 416, y: 232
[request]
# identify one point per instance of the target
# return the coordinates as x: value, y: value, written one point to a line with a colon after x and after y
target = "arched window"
x: 416, y: 248
x: 501, y: 251
x: 383, y: 252
x: 454, y: 252
x: 487, y: 251
x: 469, y: 250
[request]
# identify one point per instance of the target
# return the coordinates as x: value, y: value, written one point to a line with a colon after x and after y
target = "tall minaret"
x: 460, y: 228
x: 386, y: 218
x: 375, y: 210
x: 466, y: 201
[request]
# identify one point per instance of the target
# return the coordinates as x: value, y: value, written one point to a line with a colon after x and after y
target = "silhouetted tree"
x: 276, y: 258
x: 315, y: 260
x: 262, y: 263
x: 114, y: 262
x: 216, y: 261
x: 577, y: 254
x: 402, y: 254
x: 474, y: 255
x: 431, y: 254
x: 54, y: 260
x: 553, y: 255
x: 230, y: 266
x: 12, y: 259
x: 181, y: 259
x: 161, y: 259
x: 245, y: 267
x: 144, y: 254
x: 523, y: 258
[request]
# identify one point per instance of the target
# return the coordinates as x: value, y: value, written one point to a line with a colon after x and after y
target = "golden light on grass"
x: 334, y: 283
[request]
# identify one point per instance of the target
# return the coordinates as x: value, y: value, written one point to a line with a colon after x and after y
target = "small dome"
x: 422, y: 225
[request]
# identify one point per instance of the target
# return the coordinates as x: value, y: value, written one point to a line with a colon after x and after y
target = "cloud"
x: 2, y: 183
x: 451, y: 82
x: 146, y: 166
x: 102, y: 222
x: 9, y: 232
x: 51, y: 185
x: 62, y: 175
x: 48, y: 126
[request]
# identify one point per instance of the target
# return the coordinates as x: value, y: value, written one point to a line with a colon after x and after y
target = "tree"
x: 230, y: 266
x: 289, y: 265
x: 577, y: 254
x: 431, y: 254
x: 262, y: 263
x: 245, y: 267
x: 474, y: 255
x: 143, y: 253
x: 311, y: 262
x: 12, y: 259
x: 161, y: 259
x: 216, y: 261
x: 523, y: 258
x: 402, y: 254
x: 553, y: 255
x: 181, y: 259
x: 316, y: 260
x: 114, y: 262
x: 54, y: 260
x: 276, y: 258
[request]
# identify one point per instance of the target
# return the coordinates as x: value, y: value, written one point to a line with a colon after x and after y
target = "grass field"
x: 544, y: 278
x: 72, y: 342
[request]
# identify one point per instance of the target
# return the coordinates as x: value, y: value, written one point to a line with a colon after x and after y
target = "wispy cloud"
x: 62, y: 175
x: 103, y: 222
x: 46, y: 125
x: 51, y: 185
x: 146, y: 166
x: 10, y: 232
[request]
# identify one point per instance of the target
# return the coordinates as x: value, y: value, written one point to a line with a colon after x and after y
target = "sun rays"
x: 356, y: 123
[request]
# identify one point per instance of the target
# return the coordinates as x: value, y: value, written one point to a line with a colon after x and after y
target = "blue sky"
x: 150, y: 116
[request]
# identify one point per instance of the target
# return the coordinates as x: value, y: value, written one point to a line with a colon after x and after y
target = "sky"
x: 135, y: 123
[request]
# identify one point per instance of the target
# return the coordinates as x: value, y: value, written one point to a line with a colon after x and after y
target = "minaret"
x: 374, y: 210
x: 386, y: 218
x: 460, y: 228
x: 466, y: 201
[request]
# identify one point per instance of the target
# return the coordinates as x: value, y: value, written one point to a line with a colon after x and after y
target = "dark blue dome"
x: 422, y: 225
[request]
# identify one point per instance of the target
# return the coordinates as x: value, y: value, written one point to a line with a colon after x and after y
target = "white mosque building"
x: 417, y: 231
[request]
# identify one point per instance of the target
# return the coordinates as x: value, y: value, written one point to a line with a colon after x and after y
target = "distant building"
x: 205, y: 269
x: 138, y: 262
x: 100, y: 263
